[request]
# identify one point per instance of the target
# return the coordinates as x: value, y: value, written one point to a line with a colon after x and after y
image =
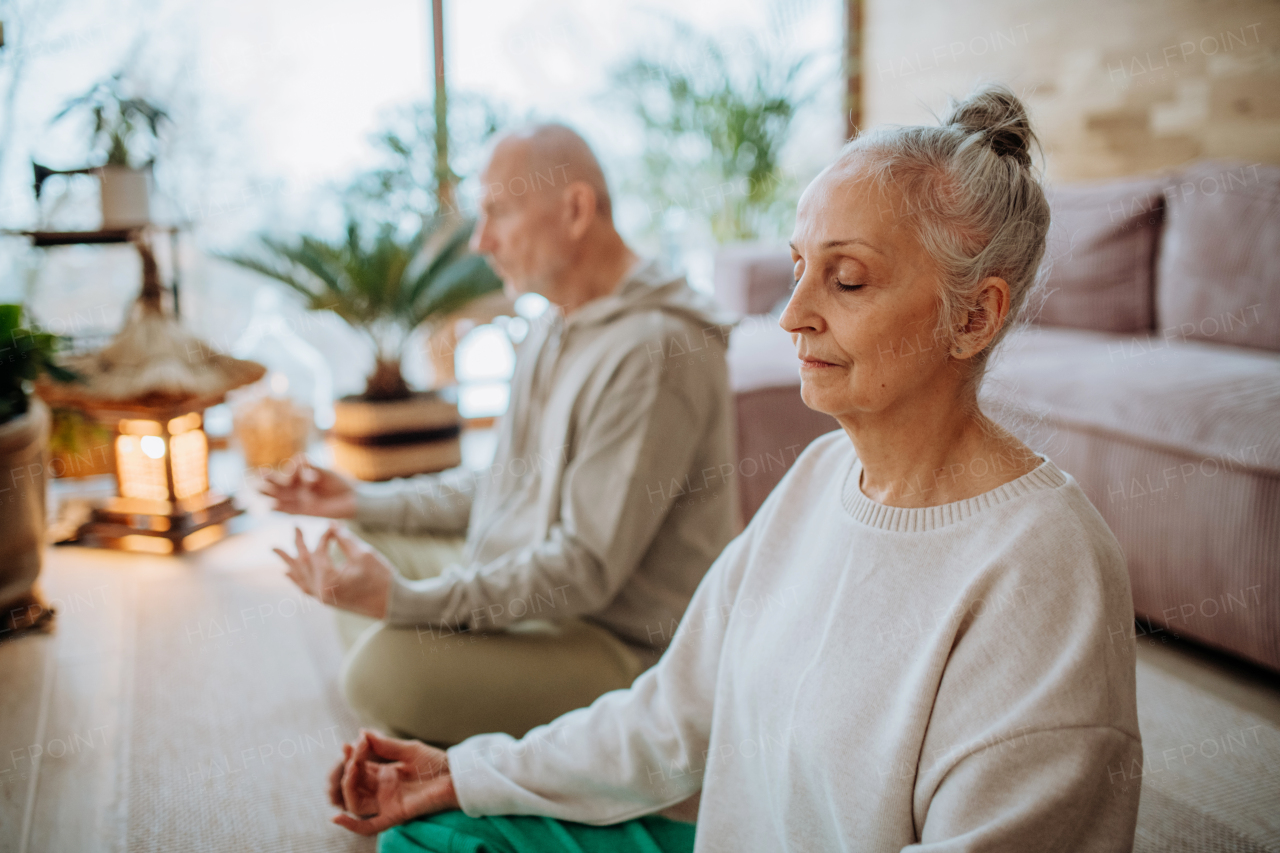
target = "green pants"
x: 454, y: 832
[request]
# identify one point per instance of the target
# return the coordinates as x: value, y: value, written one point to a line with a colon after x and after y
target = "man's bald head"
x: 546, y: 222
x: 547, y: 157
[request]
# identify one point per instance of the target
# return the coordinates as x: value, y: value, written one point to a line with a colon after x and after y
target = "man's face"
x: 521, y: 229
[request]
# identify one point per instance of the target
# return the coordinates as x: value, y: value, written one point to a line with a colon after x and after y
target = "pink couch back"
x: 1192, y: 254
x: 1219, y: 261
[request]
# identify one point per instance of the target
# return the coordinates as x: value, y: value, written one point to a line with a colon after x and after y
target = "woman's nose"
x: 802, y: 311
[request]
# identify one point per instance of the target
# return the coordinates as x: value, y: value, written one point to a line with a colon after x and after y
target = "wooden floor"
x: 192, y: 704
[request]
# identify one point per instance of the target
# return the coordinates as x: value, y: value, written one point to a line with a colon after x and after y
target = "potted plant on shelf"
x: 385, y: 286
x: 126, y: 130
x: 25, y: 353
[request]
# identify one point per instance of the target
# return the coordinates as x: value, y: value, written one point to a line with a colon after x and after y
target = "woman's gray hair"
x: 969, y: 191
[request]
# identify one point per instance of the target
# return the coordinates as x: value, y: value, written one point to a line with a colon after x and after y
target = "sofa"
x: 1148, y: 367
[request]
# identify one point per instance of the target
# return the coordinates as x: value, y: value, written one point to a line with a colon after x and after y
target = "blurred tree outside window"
x: 714, y: 122
x: 285, y: 119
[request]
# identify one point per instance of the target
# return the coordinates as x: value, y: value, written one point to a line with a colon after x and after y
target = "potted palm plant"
x: 25, y: 353
x: 125, y: 130
x: 385, y: 286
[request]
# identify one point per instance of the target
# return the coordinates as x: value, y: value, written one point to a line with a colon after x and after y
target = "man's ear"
x: 581, y: 207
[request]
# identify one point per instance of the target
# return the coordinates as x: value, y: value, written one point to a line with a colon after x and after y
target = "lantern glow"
x: 164, y: 504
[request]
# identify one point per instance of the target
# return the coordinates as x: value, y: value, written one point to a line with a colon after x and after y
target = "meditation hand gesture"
x: 360, y: 584
x: 384, y: 781
x: 311, y: 491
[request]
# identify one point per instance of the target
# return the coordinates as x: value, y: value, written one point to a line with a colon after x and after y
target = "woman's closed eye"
x: 840, y: 285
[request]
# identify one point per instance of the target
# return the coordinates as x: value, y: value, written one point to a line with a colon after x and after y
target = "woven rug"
x: 237, y: 720
x: 1210, y: 775
x: 236, y: 716
x: 229, y: 717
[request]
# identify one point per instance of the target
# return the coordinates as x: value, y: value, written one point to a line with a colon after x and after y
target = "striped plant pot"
x: 378, y: 440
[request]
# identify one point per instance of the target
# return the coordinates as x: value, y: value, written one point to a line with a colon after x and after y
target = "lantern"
x: 164, y: 504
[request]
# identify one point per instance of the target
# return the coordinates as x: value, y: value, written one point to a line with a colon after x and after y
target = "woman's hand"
x: 311, y: 491
x: 361, y: 584
x: 385, y: 781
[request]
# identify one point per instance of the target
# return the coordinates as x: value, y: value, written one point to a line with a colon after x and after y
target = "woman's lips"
x: 814, y: 363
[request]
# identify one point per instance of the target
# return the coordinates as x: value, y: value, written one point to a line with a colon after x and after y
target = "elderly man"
x: 610, y: 495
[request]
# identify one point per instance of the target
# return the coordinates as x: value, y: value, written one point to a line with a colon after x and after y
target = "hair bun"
x: 999, y: 115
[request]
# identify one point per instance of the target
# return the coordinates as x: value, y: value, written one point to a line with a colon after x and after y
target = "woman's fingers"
x: 390, y: 748
x: 355, y: 769
x: 335, y: 779
x: 364, y: 826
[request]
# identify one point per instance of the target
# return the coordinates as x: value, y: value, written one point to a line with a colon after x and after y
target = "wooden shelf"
x: 75, y: 238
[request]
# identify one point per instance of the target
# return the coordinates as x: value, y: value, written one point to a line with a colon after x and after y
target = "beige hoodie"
x: 613, y: 486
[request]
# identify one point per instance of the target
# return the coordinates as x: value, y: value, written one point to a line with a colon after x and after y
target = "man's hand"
x: 384, y: 781
x: 311, y: 491
x: 361, y: 584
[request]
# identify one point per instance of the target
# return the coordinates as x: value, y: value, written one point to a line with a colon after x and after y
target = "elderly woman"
x: 908, y: 647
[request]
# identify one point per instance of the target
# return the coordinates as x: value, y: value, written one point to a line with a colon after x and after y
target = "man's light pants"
x: 442, y: 686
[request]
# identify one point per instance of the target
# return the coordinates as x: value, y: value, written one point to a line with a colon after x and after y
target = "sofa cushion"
x: 1219, y: 264
x: 1099, y: 262
x: 1216, y: 405
x: 751, y: 278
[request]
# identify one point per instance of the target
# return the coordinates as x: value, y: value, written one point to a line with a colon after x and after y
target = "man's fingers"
x: 306, y: 559
x: 289, y: 561
x: 322, y: 560
x: 348, y: 544
x: 301, y: 542
x: 293, y: 573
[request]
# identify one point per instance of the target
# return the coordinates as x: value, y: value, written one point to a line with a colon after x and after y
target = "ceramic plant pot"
x: 126, y: 197
x: 24, y: 463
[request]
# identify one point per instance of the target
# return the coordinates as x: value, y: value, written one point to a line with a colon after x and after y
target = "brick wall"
x: 1116, y: 87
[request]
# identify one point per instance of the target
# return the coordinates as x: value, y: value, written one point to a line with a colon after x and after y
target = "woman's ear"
x: 985, y: 320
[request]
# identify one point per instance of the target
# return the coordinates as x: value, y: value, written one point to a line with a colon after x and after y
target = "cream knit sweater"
x: 851, y: 676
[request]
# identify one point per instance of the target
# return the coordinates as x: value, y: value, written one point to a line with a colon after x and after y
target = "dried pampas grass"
x: 154, y: 358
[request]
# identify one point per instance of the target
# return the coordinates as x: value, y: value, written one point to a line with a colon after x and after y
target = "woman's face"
x: 864, y: 308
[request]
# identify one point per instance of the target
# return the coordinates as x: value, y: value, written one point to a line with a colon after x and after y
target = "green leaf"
x: 27, y: 352
x: 372, y: 281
